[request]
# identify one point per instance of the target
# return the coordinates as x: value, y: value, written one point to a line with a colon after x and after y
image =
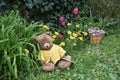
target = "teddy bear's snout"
x: 46, y: 45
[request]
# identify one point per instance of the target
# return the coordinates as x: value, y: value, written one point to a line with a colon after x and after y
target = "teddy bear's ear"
x: 48, y: 33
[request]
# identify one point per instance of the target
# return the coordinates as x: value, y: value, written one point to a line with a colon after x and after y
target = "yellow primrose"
x: 75, y: 35
x: 26, y: 51
x: 62, y: 44
x: 69, y: 24
x: 56, y: 33
x: 74, y: 44
x: 69, y: 32
x: 77, y: 26
x: 54, y: 36
x: 53, y: 39
x: 46, y: 27
x: 81, y: 38
x: 72, y: 37
x: 85, y: 33
x: 79, y: 33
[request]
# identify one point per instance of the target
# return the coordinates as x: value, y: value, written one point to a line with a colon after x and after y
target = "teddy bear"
x: 51, y: 54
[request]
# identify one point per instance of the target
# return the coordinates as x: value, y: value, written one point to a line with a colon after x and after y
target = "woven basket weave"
x: 95, y: 39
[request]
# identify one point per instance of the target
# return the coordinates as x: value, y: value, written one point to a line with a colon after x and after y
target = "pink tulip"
x: 75, y: 11
x: 60, y: 36
x: 63, y: 23
x: 61, y: 18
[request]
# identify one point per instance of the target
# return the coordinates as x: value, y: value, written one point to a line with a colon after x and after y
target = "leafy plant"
x: 17, y: 53
x: 46, y: 11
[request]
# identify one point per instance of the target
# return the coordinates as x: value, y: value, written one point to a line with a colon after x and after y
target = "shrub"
x: 104, y: 8
x: 17, y: 54
x: 46, y: 11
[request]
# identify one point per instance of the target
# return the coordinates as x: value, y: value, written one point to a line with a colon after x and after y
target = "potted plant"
x: 96, y: 35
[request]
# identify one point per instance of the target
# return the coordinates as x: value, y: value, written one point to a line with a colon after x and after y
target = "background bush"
x: 104, y: 8
x: 46, y: 11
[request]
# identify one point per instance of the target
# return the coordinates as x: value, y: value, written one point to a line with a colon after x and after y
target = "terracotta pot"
x: 95, y: 39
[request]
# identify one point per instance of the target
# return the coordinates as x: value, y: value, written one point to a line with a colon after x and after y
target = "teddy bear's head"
x: 44, y: 40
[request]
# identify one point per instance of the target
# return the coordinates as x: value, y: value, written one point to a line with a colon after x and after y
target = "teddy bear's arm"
x: 61, y: 52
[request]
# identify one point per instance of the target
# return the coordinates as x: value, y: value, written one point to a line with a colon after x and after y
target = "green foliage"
x: 94, y: 62
x: 15, y: 39
x: 47, y: 11
x: 105, y: 8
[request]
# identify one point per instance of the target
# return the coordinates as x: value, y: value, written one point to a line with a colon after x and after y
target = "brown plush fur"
x: 46, y: 43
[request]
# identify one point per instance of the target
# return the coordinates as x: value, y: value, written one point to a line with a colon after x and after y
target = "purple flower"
x: 96, y: 32
x: 91, y: 31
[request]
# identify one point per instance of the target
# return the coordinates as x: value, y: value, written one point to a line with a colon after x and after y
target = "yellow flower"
x: 78, y: 33
x: 56, y: 33
x: 75, y: 35
x: 69, y: 32
x: 26, y: 51
x: 77, y: 26
x: 85, y: 33
x: 54, y: 36
x: 81, y: 38
x: 45, y: 27
x: 74, y: 44
x: 72, y: 37
x: 69, y: 24
x: 53, y: 39
x: 62, y: 44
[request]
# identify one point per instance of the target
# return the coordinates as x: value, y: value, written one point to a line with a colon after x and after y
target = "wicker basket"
x: 95, y: 39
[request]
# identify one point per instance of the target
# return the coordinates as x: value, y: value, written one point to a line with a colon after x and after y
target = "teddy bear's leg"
x: 48, y: 67
x: 65, y: 62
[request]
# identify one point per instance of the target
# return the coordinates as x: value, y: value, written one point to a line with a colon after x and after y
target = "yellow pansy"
x: 56, y: 33
x: 77, y: 26
x: 72, y: 37
x: 54, y: 36
x: 62, y: 44
x: 85, y: 33
x: 75, y: 35
x: 46, y: 27
x: 69, y: 24
x: 81, y: 38
x: 69, y: 32
x: 26, y: 51
x: 74, y: 44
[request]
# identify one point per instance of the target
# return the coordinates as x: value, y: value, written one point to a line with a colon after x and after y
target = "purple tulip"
x: 75, y: 11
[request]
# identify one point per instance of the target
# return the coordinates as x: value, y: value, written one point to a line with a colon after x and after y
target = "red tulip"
x: 63, y: 23
x: 61, y: 18
x: 75, y: 11
x: 60, y: 36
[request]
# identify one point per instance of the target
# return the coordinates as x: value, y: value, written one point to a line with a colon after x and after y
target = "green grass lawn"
x: 94, y: 62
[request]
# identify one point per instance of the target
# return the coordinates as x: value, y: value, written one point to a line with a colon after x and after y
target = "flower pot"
x: 95, y: 39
